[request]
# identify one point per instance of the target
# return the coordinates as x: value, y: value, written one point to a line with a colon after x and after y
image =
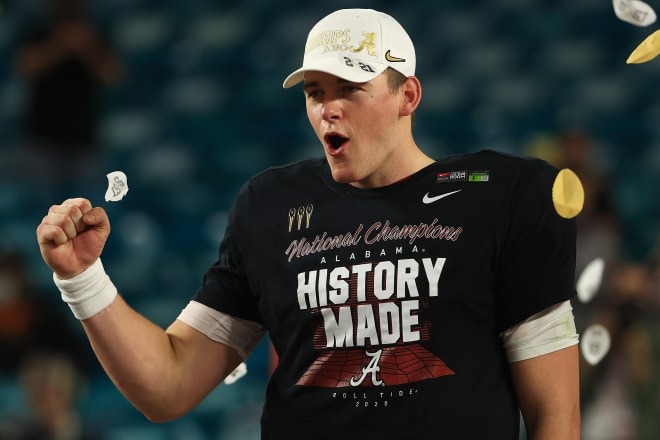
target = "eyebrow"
x: 309, y: 85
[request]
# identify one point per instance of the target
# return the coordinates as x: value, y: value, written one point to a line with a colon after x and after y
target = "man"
x: 405, y: 297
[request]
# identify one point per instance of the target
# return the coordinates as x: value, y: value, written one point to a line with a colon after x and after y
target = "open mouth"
x: 335, y: 141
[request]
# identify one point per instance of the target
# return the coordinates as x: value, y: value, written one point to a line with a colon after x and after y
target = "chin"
x: 343, y: 176
x: 343, y: 172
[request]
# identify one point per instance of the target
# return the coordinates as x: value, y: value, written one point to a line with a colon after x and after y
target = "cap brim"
x: 294, y: 78
x: 334, y: 67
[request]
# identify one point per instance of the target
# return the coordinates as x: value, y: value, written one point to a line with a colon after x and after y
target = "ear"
x: 411, y: 94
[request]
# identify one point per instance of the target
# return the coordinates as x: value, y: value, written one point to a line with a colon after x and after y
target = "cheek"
x: 313, y: 113
x: 314, y: 117
x: 381, y: 113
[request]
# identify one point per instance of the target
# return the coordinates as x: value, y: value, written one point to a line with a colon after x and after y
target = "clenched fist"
x: 72, y: 236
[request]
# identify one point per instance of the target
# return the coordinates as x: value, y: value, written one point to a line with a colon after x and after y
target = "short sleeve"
x: 535, y: 266
x: 225, y: 285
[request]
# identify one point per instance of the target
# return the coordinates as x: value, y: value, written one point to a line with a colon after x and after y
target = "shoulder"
x: 277, y: 183
x: 500, y: 161
x: 298, y: 173
x: 503, y: 172
x: 276, y: 190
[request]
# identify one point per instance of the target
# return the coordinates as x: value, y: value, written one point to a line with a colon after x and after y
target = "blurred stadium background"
x: 201, y: 109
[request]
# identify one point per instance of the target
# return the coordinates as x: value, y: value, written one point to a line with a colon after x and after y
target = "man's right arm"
x: 164, y: 373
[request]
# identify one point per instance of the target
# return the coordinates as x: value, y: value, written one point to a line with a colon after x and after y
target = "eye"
x: 351, y: 88
x: 313, y: 93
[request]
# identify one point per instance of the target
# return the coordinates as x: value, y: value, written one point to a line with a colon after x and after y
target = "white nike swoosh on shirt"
x: 428, y: 199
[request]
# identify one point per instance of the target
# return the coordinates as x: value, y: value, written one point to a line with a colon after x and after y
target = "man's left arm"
x: 548, y: 391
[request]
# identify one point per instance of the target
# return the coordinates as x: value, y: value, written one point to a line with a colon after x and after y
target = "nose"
x: 331, y: 109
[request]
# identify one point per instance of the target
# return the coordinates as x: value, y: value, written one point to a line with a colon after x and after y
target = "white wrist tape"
x: 87, y: 293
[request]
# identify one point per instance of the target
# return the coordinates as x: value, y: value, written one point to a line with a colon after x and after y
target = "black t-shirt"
x: 385, y: 306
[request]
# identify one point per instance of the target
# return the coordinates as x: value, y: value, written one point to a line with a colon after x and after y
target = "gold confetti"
x: 567, y: 194
x: 647, y: 49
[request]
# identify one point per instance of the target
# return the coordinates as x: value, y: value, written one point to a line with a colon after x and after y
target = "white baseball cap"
x: 356, y: 45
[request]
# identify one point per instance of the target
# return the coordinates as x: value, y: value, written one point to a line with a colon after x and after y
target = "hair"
x: 396, y: 80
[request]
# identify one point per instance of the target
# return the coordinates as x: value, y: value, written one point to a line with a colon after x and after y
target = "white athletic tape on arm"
x: 240, y: 334
x: 550, y: 330
x: 88, y: 292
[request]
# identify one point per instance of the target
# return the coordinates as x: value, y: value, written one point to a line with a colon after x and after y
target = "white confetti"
x: 634, y: 12
x: 590, y: 280
x: 595, y: 343
x: 238, y: 372
x: 117, y: 186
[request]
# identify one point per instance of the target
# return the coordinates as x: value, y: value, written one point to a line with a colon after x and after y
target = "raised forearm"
x: 164, y: 373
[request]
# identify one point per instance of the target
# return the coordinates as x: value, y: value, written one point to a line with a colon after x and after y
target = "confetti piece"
x: 567, y: 194
x: 634, y: 12
x: 238, y: 372
x: 595, y: 343
x: 589, y: 280
x: 117, y: 186
x: 647, y: 50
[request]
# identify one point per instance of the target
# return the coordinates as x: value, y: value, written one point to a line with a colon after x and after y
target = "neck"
x: 414, y: 163
x: 401, y: 166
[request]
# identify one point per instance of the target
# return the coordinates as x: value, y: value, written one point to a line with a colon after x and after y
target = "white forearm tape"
x: 87, y: 293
